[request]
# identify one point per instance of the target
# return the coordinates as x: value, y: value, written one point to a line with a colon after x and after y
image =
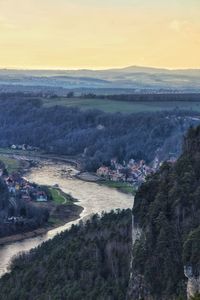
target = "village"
x: 133, y: 172
x: 21, y: 190
x: 27, y: 206
x: 24, y: 147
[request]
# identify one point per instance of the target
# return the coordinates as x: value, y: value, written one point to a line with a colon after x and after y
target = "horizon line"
x: 89, y: 68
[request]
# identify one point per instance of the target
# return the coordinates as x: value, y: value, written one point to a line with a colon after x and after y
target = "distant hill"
x: 133, y: 79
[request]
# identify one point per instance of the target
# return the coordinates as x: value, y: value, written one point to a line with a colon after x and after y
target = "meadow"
x: 12, y: 165
x: 121, y: 186
x: 112, y: 106
x: 60, y: 198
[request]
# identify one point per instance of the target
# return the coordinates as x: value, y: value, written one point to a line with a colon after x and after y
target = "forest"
x: 96, y: 260
x: 95, y: 136
x: 91, y: 261
x: 167, y: 208
x: 29, y: 216
x: 141, y: 97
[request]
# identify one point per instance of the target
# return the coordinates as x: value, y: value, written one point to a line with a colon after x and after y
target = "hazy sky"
x: 99, y: 33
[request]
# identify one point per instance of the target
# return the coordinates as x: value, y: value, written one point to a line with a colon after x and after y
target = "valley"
x: 100, y: 150
x: 92, y: 197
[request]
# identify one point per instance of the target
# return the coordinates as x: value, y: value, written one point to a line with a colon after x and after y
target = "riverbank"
x: 61, y: 212
x: 86, y: 176
x: 61, y: 206
x: 14, y: 165
x: 122, y: 187
x: 94, y: 198
x: 53, y: 223
x: 42, y: 155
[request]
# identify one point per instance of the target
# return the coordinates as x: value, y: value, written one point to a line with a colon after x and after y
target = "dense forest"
x: 96, y: 260
x: 146, y: 97
x: 94, y: 135
x: 167, y: 208
x: 91, y: 261
x: 3, y: 197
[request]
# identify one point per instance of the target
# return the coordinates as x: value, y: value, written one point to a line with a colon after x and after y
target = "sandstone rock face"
x: 137, y: 288
x: 193, y: 284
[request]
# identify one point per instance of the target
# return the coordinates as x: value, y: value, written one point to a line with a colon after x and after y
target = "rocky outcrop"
x: 138, y: 289
x: 167, y: 208
x: 193, y: 283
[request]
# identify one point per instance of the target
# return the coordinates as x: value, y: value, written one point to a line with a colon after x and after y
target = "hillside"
x: 131, y: 79
x: 90, y: 261
x: 167, y: 209
x: 70, y: 131
x: 96, y: 260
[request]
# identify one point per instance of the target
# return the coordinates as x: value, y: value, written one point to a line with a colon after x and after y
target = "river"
x: 92, y: 197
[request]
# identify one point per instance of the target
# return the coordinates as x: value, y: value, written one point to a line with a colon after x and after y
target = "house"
x: 26, y: 198
x: 100, y: 127
x: 12, y: 189
x: 103, y: 171
x: 133, y: 172
x: 17, y: 187
x: 14, y: 220
x: 41, y: 197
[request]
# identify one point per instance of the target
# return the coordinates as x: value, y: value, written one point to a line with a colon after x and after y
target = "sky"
x: 99, y: 34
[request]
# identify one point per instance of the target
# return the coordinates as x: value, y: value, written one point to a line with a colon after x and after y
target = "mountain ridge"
x: 129, y: 78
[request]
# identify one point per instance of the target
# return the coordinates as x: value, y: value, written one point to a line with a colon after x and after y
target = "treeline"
x: 95, y: 260
x: 94, y: 135
x: 167, y: 209
x: 147, y: 97
x: 3, y: 197
x: 90, y: 261
x: 26, y: 216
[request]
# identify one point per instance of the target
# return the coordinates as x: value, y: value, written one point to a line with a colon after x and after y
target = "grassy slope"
x: 121, y: 186
x: 12, y: 165
x: 59, y: 197
x: 122, y: 106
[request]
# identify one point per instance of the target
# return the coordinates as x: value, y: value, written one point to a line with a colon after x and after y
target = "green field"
x: 61, y: 198
x: 123, y: 106
x: 121, y: 186
x: 10, y: 151
x: 12, y: 165
x: 57, y: 197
